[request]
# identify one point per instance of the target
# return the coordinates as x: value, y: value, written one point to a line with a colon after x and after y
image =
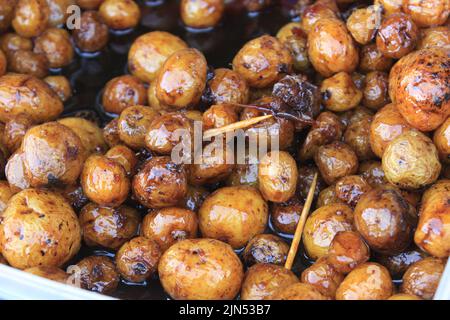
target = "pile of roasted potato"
x: 359, y: 93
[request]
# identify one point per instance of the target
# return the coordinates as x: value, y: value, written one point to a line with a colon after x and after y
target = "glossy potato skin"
x: 233, y: 215
x: 111, y: 133
x: 6, y: 13
x: 434, y: 37
x: 51, y: 273
x: 298, y: 291
x: 228, y: 86
x: 201, y: 13
x: 363, y: 23
x: 55, y: 44
x: 373, y: 173
x: 60, y: 85
x: 347, y: 251
x: 375, y: 93
x: 357, y: 136
x: 28, y: 62
x: 219, y: 115
x: 339, y: 92
x: 323, y: 276
x: 285, y: 216
x: 295, y: 39
x: 15, y: 172
x: 58, y: 12
x: 313, y: 13
x: 327, y: 196
x: 122, y: 92
x: 10, y: 42
x: 97, y: 273
x: 427, y: 13
x: 125, y: 157
x: 15, y: 130
x: 195, y: 269
x: 390, y: 6
x: 50, y: 233
x: 397, y: 264
x: 422, y: 278
x: 30, y: 17
x: 93, y: 33
x: 120, y: 14
x: 350, y: 189
x: 371, y: 59
x: 5, y: 194
x: 265, y: 248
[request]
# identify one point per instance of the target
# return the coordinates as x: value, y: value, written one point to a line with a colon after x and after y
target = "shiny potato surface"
x: 323, y: 276
x: 298, y: 291
x: 314, y: 12
x: 194, y: 198
x: 219, y: 115
x: 30, y: 17
x: 339, y: 93
x: 6, y: 13
x: 56, y: 45
x: 347, y: 251
x: 5, y: 194
x: 390, y: 6
x: 51, y: 273
x: 233, y: 215
x: 59, y: 12
x: 427, y: 13
x: 125, y: 157
x: 285, y: 216
x: 60, y: 85
x: 93, y: 33
x: 422, y: 278
x: 328, y: 196
x: 228, y: 86
x: 28, y: 62
x: 357, y: 136
x: 350, y: 189
x: 15, y: 130
x: 120, y: 14
x: 363, y: 23
x: 196, y: 269
x: 10, y: 42
x: 74, y: 195
x: 97, y: 273
x: 295, y: 39
x: 122, y: 92
x: 434, y: 37
x: 49, y: 234
x: 305, y: 178
x: 111, y: 133
x: 397, y: 264
x: 371, y: 59
x: 375, y: 93
x: 15, y: 172
x: 201, y: 13
x: 265, y: 248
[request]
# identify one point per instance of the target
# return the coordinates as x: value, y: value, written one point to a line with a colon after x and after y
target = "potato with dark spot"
x: 120, y: 14
x: 422, y: 278
x: 323, y: 276
x: 375, y: 92
x: 363, y: 23
x: 397, y: 264
x: 228, y: 86
x: 390, y: 6
x: 73, y: 194
x: 427, y: 13
x: 28, y: 62
x: 96, y: 273
x: 39, y: 228
x: 351, y: 188
x: 434, y: 37
x: 205, y: 269
x: 298, y: 291
x: 285, y: 216
x: 30, y: 17
x: 15, y: 130
x: 93, y: 33
x: 201, y: 13
x: 315, y: 12
x: 51, y: 273
x: 90, y: 134
x: 219, y: 115
x: 295, y: 39
x: 194, y: 198
x: 122, y: 92
x: 339, y: 92
x: 60, y: 85
x: 371, y: 59
x: 265, y: 248
x: 124, y: 156
x: 111, y: 133
x: 347, y: 251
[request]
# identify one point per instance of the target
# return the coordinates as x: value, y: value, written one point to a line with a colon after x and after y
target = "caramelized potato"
x: 228, y: 86
x: 327, y: 196
x: 298, y: 291
x: 111, y: 133
x: 55, y: 44
x: 122, y: 92
x: 219, y: 115
x: 435, y: 37
x: 124, y: 156
x: 371, y: 59
x: 30, y: 17
x: 28, y: 62
x: 295, y: 39
x: 5, y: 194
x: 6, y: 13
x: 373, y: 173
x: 350, y: 189
x: 339, y: 92
x: 120, y: 14
x: 422, y: 278
x: 60, y: 85
x: 397, y: 264
x: 357, y: 136
x: 59, y: 12
x: 323, y: 277
x: 404, y: 296
x: 134, y: 123
x: 51, y: 273
x: 427, y: 13
x: 390, y: 6
x: 15, y: 130
x: 10, y: 42
x: 285, y: 216
x: 89, y: 133
x: 363, y: 23
x: 93, y: 33
x: 74, y: 195
x: 15, y: 172
x: 315, y: 12
x: 375, y: 93
x: 201, y: 13
x: 347, y: 251
x: 265, y: 248
x: 194, y: 198
x: 97, y: 273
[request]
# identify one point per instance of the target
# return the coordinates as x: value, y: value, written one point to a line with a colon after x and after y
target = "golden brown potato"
x: 169, y: 225
x: 219, y: 115
x: 327, y: 196
x: 49, y: 230
x: 228, y: 86
x: 30, y: 17
x: 134, y: 123
x: 122, y: 92
x: 104, y: 181
x: 160, y: 183
x: 120, y: 14
x: 59, y: 12
x: 263, y: 61
x: 10, y: 42
x: 51, y: 273
x: 397, y: 36
x: 298, y: 291
x: 285, y: 216
x: 93, y: 33
x: 427, y: 13
x: 339, y: 92
x: 390, y: 6
x: 322, y: 225
x: 5, y: 194
x: 347, y: 251
x: 363, y: 23
x: 149, y: 52
x: 3, y: 63
x: 331, y: 48
x: 265, y: 248
x: 295, y: 39
x: 37, y: 100
x: 425, y: 105
x: 55, y: 44
x: 201, y: 13
x: 397, y: 264
x: 375, y: 93
x: 441, y: 140
x: 323, y: 276
x: 355, y: 115
x: 90, y: 134
x: 371, y: 59
x: 357, y: 136
x: 373, y: 173
x: 124, y: 156
x: 433, y: 231
x: 233, y: 215
x: 89, y: 4
x: 411, y: 161
x: 434, y: 37
x: 369, y: 281
x: 262, y: 280
x: 28, y: 62
x: 95, y: 273
x: 314, y: 12
x: 404, y: 296
x: 73, y: 194
x: 60, y: 85
x: 15, y: 130
x: 244, y: 174
x: 201, y: 269
x: 422, y: 278
x: 350, y: 189
x: 137, y: 260
x: 15, y: 172
x: 111, y: 133
x: 6, y: 13
x: 277, y: 176
x: 194, y: 198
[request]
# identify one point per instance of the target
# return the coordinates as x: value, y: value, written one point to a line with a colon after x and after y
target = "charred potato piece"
x: 96, y: 273
x: 295, y: 39
x: 124, y: 156
x: 375, y: 93
x: 93, y: 33
x: 347, y: 251
x: 265, y: 248
x: 55, y: 44
x: 60, y: 85
x: 357, y: 136
x: 120, y: 14
x: 89, y: 133
x: 228, y: 86
x: 323, y: 276
x: 15, y: 130
x: 422, y: 278
x: 427, y: 13
x: 28, y: 62
x: 122, y: 92
x: 363, y: 23
x: 298, y: 291
x: 371, y: 59
x: 51, y: 273
x: 350, y: 189
x: 201, y: 13
x: 339, y: 92
x: 30, y: 17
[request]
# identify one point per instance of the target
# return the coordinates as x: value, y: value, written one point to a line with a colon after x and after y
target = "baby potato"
x: 422, y: 278
x: 51, y: 273
x: 331, y: 48
x: 433, y: 231
x: 169, y: 225
x: 205, y: 269
x: 369, y: 281
x: 37, y: 100
x: 49, y: 233
x: 390, y: 6
x: 363, y: 23
x: 411, y: 161
x: 15, y: 172
x: 60, y: 85
x: 59, y: 12
x: 137, y: 260
x: 262, y: 280
x: 28, y: 62
x: 120, y: 14
x: 93, y: 33
x: 10, y: 42
x: 244, y: 174
x: 96, y: 273
x: 104, y: 181
x: 339, y: 92
x: 194, y: 198
x: 122, y: 92
x: 74, y: 195
x: 89, y: 4
x: 160, y: 183
x: 373, y: 173
x: 285, y: 216
x: 427, y: 13
x: 397, y: 264
x: 182, y: 79
x: 336, y: 160
x: 347, y: 251
x: 55, y: 44
x: 425, y: 105
x: 265, y: 248
x: 228, y: 86
x: 314, y: 12
x: 327, y: 196
x: 322, y: 225
x: 295, y: 39
x: 404, y: 296
x: 277, y: 176
x: 357, y: 136
x: 201, y: 13
x: 111, y: 133
x: 149, y: 52
x: 124, y: 156
x: 351, y: 188
x: 219, y: 115
x: 375, y: 93
x: 263, y: 61
x: 298, y: 291
x: 441, y: 140
x: 15, y: 130
x: 52, y: 154
x: 434, y: 37
x: 323, y: 277
x: 6, y: 13
x: 89, y: 133
x: 233, y: 215
x: 30, y: 17
x: 371, y: 59
x: 5, y: 194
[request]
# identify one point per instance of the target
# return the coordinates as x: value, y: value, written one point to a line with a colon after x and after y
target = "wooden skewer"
x: 234, y: 126
x: 301, y: 224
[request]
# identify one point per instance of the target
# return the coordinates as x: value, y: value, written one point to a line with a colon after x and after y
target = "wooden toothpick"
x: 234, y: 126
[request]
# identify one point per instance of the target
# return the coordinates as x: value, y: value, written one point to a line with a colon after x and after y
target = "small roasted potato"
x: 295, y: 39
x: 105, y: 181
x: 371, y: 59
x: 195, y: 269
x: 6, y: 13
x: 375, y: 92
x: 122, y: 92
x: 73, y: 194
x: 339, y: 92
x: 160, y: 183
x: 298, y: 291
x: 10, y: 42
x: 55, y: 44
x: 37, y: 100
x: 89, y: 133
x: 194, y: 198
x: 96, y: 273
x: 124, y: 156
x: 92, y: 35
x: 322, y: 225
x: 265, y: 248
x: 350, y: 189
x: 327, y: 196
x: 182, y: 79
x: 347, y: 251
x: 201, y: 13
x: 219, y: 115
x: 355, y: 115
x: 15, y: 130
x: 434, y: 37
x: 422, y: 278
x: 385, y: 220
x: 277, y: 176
x: 331, y: 48
x: 363, y: 23
x: 404, y: 296
x: 411, y: 161
x: 149, y: 52
x: 120, y: 14
x: 111, y: 133
x: 262, y: 280
x: 315, y: 12
x: 441, y: 140
x: 51, y: 273
x: 30, y: 17
x: 60, y: 85
x: 336, y: 160
x: 244, y: 174
x: 169, y: 225
x: 5, y: 194
x: 285, y: 216
x: 433, y: 231
x: 397, y: 264
x: 369, y: 281
x: 137, y: 260
x: 372, y: 172
x: 233, y: 215
x: 28, y: 62
x: 53, y: 153
x: 323, y: 276
x: 427, y: 13
x: 357, y: 136
x: 89, y: 4
x: 59, y: 12
x: 390, y: 6
x: 15, y: 172
x: 397, y: 36
x: 305, y: 177
x: 263, y: 61
x: 228, y: 86
x: 49, y: 233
